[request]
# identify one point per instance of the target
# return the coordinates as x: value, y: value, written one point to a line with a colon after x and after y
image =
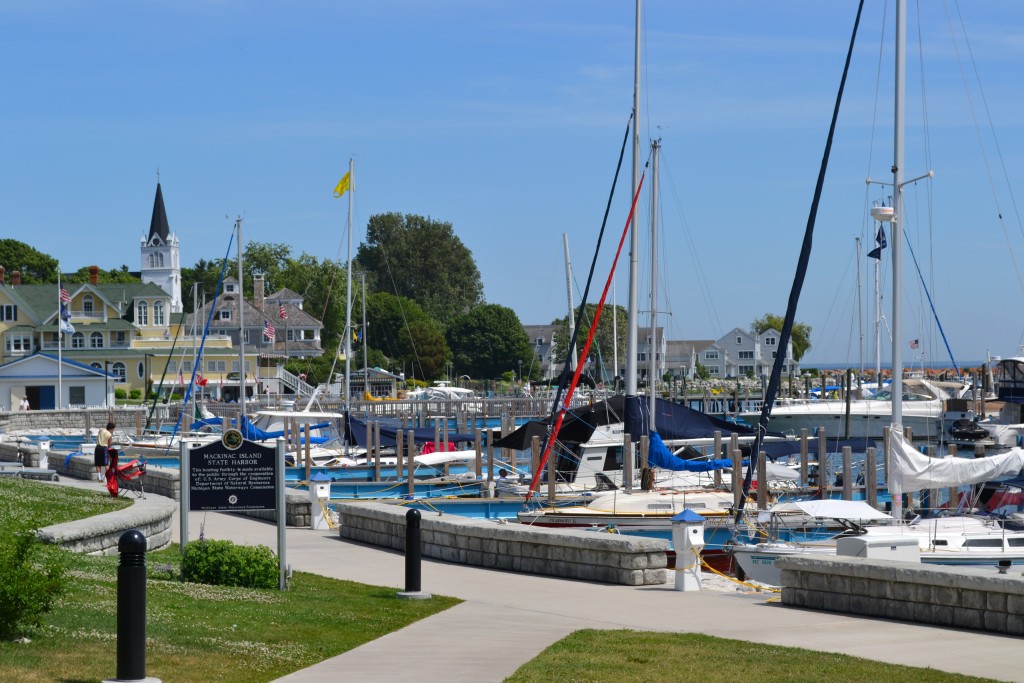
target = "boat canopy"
x: 833, y: 509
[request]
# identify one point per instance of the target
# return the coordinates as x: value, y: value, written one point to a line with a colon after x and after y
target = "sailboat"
x: 956, y: 539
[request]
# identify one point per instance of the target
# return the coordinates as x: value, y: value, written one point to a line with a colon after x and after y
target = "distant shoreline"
x: 932, y: 365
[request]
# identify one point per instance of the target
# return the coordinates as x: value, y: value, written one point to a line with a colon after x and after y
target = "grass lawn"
x: 592, y: 656
x: 26, y: 504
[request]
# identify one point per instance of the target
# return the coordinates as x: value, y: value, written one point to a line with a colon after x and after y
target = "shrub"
x: 135, y: 394
x: 120, y: 394
x: 31, y: 583
x: 222, y: 563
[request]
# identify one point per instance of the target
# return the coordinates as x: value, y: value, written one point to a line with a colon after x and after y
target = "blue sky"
x: 505, y: 119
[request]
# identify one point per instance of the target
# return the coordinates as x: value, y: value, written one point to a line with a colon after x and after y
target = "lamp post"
x: 106, y: 380
x: 147, y: 380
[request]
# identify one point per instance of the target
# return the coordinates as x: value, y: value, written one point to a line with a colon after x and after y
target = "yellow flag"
x: 343, y: 185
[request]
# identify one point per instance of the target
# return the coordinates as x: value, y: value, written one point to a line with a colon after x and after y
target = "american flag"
x: 64, y: 296
x: 281, y: 313
x: 268, y: 330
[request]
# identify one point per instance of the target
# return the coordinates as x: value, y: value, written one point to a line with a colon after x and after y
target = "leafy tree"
x: 702, y: 372
x: 489, y: 340
x: 35, y: 266
x: 206, y: 274
x: 121, y: 275
x: 423, y: 260
x: 406, y: 335
x: 801, y: 336
x: 602, y: 350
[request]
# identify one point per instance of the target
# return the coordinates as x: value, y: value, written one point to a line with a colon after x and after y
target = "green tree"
x: 488, y: 341
x: 120, y: 275
x: 410, y: 339
x: 602, y: 350
x: 35, y: 266
x: 206, y: 274
x: 423, y: 260
x: 801, y: 336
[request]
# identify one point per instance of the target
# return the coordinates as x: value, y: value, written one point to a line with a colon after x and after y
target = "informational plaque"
x: 232, y: 474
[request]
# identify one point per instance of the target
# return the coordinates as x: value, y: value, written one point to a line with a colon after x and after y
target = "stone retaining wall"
x: 99, y: 535
x: 26, y: 454
x: 928, y: 594
x: 567, y: 553
x: 297, y: 506
x: 127, y: 418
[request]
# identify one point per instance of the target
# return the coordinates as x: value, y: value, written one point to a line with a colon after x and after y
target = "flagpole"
x: 348, y: 303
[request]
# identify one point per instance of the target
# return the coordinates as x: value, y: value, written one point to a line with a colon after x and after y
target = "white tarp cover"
x: 833, y: 509
x: 910, y: 470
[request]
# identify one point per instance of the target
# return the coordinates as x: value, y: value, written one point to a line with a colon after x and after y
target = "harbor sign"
x: 232, y: 474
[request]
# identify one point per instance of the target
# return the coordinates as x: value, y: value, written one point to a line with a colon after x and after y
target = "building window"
x: 97, y: 366
x: 641, y: 357
x: 78, y: 340
x: 739, y: 340
x: 95, y: 340
x: 118, y: 370
x: 540, y: 340
x: 711, y: 355
x: 769, y: 341
x: 8, y: 313
x: 19, y: 343
x: 76, y: 396
x: 141, y: 370
x: 158, y: 313
x: 172, y: 366
x: 746, y: 355
x: 774, y: 353
x: 224, y: 314
x: 143, y: 314
x: 229, y: 287
x: 215, y: 366
x: 713, y: 370
x: 746, y: 369
x: 120, y: 338
x: 87, y: 304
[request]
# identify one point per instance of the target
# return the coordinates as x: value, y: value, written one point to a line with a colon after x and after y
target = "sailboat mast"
x: 241, y: 324
x: 634, y: 236
x: 897, y: 186
x: 60, y: 343
x: 878, y: 324
x: 653, y: 345
x: 348, y: 295
x: 568, y: 293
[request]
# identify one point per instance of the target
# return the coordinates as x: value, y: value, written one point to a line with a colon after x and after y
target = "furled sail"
x: 910, y: 470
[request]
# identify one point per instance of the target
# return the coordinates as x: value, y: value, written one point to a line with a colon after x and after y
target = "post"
x: 184, y: 495
x: 627, y: 462
x: 131, y: 607
x: 718, y: 454
x: 847, y: 473
x: 870, y: 478
x: 399, y: 454
x: 412, y: 557
x: 803, y: 457
x: 376, y: 450
x: 737, y: 477
x: 410, y: 461
x: 822, y: 461
x: 282, y: 514
x: 535, y: 455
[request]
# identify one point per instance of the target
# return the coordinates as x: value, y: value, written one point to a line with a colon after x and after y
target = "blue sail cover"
x: 658, y: 455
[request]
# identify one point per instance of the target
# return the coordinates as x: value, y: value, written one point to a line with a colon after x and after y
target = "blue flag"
x: 880, y: 240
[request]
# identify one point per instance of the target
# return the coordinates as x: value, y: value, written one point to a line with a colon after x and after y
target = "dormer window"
x: 224, y: 314
x: 87, y: 305
x: 229, y: 287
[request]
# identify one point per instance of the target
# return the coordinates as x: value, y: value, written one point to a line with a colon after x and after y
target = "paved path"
x: 508, y: 618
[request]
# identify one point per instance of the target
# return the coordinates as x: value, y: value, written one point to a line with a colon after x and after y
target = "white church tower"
x: 160, y: 260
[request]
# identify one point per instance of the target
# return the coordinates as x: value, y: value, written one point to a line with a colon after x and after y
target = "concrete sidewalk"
x: 508, y: 618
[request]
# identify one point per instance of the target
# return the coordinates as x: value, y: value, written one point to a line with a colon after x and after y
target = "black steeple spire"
x: 158, y: 225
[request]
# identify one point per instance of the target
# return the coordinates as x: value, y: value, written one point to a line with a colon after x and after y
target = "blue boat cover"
x: 658, y: 455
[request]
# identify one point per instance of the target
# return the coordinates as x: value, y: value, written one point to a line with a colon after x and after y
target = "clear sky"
x: 505, y: 119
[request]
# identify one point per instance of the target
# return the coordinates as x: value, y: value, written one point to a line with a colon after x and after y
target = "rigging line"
x: 553, y: 435
x: 593, y: 266
x: 932, y: 305
x: 798, y: 280
x: 697, y: 264
x: 981, y: 145
x: 405, y: 319
x: 160, y: 387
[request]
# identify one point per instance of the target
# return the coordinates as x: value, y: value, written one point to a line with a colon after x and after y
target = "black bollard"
x: 412, y: 557
x: 412, y: 551
x: 131, y: 607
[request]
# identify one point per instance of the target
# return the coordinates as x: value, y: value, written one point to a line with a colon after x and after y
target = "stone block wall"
x: 99, y: 535
x: 568, y: 553
x: 961, y: 597
x: 297, y: 513
x: 127, y: 419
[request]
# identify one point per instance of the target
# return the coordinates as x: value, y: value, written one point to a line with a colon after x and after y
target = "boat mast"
x: 568, y: 293
x: 897, y: 250
x: 878, y: 321
x: 241, y: 325
x: 653, y: 345
x: 348, y: 299
x: 634, y: 237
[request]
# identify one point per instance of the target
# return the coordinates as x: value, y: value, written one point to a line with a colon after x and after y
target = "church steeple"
x: 158, y: 226
x: 160, y: 254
